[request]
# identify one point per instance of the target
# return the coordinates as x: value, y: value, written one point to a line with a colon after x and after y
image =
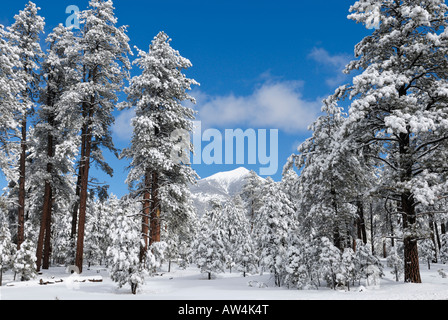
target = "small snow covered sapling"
x: 7, y: 248
x: 395, y: 261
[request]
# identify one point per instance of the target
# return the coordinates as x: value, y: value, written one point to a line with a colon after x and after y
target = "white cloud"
x: 273, y: 105
x: 123, y: 128
x: 335, y: 65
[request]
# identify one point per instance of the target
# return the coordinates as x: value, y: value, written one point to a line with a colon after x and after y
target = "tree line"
x: 371, y: 180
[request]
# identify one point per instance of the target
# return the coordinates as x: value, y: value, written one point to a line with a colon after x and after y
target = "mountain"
x: 221, y: 186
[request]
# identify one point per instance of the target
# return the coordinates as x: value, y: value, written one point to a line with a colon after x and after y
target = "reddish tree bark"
x: 22, y: 174
x: 155, y: 227
x: 146, y: 215
x: 85, y: 166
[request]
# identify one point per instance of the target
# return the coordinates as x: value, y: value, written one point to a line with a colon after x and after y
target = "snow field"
x: 189, y: 284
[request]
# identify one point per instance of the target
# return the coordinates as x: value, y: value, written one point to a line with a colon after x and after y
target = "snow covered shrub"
x: 209, y: 250
x: 125, y: 266
x: 395, y: 262
x: 7, y: 248
x: 367, y: 266
x: 444, y: 248
x: 158, y: 249
x: 25, y: 261
x: 301, y: 265
x: 246, y: 258
x: 274, y: 222
x: 330, y: 262
x: 348, y: 273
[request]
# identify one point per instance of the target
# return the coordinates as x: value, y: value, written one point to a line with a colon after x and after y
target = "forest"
x: 369, y: 186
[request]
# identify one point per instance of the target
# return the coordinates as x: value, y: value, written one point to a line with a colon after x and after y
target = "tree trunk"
x: 85, y: 166
x: 146, y: 216
x: 134, y: 287
x: 21, y: 211
x: 361, y: 225
x: 45, y: 225
x: 155, y: 210
x: 47, y: 242
x: 81, y: 170
x: 372, y: 230
x: 411, y: 261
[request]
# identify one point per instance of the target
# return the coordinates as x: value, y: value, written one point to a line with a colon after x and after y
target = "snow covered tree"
x: 251, y: 195
x: 367, y: 266
x: 399, y: 107
x: 333, y: 176
x: 348, y: 273
x: 161, y: 175
x: 233, y: 222
x: 395, y: 262
x: 24, y: 35
x: 10, y: 86
x: 25, y: 257
x: 124, y: 252
x: 246, y: 259
x: 7, y: 248
x: 98, y: 237
x: 103, y: 48
x: 330, y: 262
x: 302, y: 265
x: 54, y: 142
x: 275, y: 219
x: 209, y: 251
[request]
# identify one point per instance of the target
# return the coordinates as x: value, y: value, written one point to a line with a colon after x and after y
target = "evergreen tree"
x: 235, y: 227
x: 161, y: 179
x: 209, y: 250
x: 104, y: 64
x: 399, y: 106
x: 251, y: 195
x: 54, y: 141
x: 24, y: 35
x: 7, y: 248
x: 302, y: 265
x: 330, y: 262
x: 25, y: 258
x: 332, y: 177
x: 10, y: 86
x: 124, y: 261
x: 275, y: 219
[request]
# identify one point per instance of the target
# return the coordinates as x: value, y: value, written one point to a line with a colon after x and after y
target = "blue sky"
x: 261, y: 64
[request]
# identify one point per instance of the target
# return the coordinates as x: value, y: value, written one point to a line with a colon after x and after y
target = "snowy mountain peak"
x: 221, y: 186
x: 226, y: 179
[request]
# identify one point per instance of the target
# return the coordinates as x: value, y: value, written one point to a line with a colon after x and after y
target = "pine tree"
x: 275, y: 219
x: 395, y: 262
x: 251, y: 195
x: 24, y: 35
x: 124, y: 261
x: 7, y: 248
x: 330, y: 262
x: 161, y: 179
x: 209, y: 251
x: 302, y: 264
x: 25, y: 258
x: 333, y: 176
x: 10, y: 86
x: 235, y: 226
x: 104, y: 65
x: 54, y: 141
x: 399, y: 106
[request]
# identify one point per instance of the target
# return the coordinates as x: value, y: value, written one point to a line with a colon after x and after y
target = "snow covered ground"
x: 190, y: 285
